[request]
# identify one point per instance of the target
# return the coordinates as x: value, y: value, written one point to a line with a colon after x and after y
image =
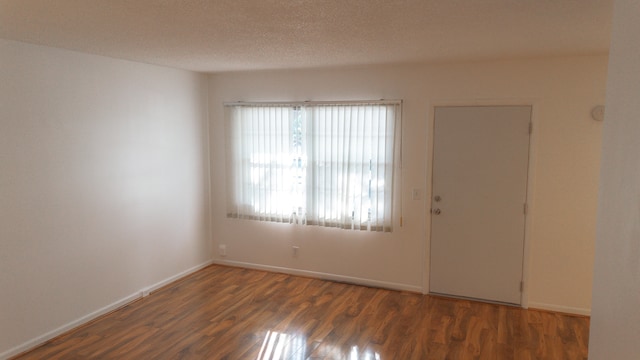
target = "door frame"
x: 429, y: 151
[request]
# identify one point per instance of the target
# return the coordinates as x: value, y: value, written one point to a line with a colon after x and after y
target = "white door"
x: 480, y: 167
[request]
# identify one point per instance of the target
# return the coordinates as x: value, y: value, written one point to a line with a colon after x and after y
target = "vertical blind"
x: 317, y: 163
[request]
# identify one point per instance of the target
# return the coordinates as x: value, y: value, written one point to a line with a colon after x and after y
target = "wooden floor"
x: 231, y: 313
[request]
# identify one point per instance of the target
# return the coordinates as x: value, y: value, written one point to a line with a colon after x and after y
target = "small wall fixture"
x: 597, y: 113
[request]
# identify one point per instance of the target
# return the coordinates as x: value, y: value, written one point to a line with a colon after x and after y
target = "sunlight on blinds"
x: 318, y: 164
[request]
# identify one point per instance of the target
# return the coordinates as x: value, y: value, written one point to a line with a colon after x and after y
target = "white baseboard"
x: 105, y: 310
x: 66, y: 327
x: 324, y: 276
x: 383, y: 284
x: 560, y: 308
x: 178, y: 276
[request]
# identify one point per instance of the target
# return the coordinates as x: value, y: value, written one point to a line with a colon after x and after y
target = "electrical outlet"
x: 222, y: 250
x: 296, y: 250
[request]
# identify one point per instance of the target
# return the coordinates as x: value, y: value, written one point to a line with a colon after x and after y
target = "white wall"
x: 566, y: 154
x: 615, y: 323
x: 104, y: 179
x: 103, y: 185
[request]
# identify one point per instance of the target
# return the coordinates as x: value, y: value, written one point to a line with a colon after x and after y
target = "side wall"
x: 103, y: 185
x: 566, y: 154
x: 615, y: 324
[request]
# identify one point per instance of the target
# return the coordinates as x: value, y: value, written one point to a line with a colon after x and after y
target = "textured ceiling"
x: 227, y: 35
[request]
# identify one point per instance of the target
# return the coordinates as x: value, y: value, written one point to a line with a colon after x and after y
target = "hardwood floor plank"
x: 231, y: 313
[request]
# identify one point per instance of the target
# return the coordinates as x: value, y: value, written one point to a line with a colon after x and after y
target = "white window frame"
x: 249, y: 170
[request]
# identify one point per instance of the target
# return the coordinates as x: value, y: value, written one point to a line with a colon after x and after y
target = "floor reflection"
x: 278, y: 345
x: 281, y: 346
x: 366, y: 355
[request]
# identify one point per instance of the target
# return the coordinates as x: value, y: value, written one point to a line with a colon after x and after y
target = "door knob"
x: 436, y: 211
x: 437, y: 198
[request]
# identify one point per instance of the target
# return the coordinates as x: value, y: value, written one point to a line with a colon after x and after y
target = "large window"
x: 314, y: 163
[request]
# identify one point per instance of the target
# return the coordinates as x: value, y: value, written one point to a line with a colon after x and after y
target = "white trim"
x: 428, y: 185
x: 323, y: 276
x: 309, y: 102
x: 560, y: 308
x: 35, y: 342
x: 178, y: 276
x: 209, y: 167
x: 531, y: 185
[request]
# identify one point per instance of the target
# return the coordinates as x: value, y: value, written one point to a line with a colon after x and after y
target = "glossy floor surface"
x: 231, y: 313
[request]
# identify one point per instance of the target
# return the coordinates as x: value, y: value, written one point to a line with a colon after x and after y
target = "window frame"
x: 393, y: 161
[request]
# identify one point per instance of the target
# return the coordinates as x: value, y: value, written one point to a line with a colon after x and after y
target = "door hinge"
x: 525, y: 208
x: 521, y: 286
x: 530, y: 128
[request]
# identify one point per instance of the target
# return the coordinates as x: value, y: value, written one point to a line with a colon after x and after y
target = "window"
x: 313, y: 163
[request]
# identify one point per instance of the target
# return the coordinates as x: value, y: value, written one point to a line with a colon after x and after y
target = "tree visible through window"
x: 317, y: 164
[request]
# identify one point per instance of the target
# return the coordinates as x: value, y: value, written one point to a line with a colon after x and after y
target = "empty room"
x: 419, y: 179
